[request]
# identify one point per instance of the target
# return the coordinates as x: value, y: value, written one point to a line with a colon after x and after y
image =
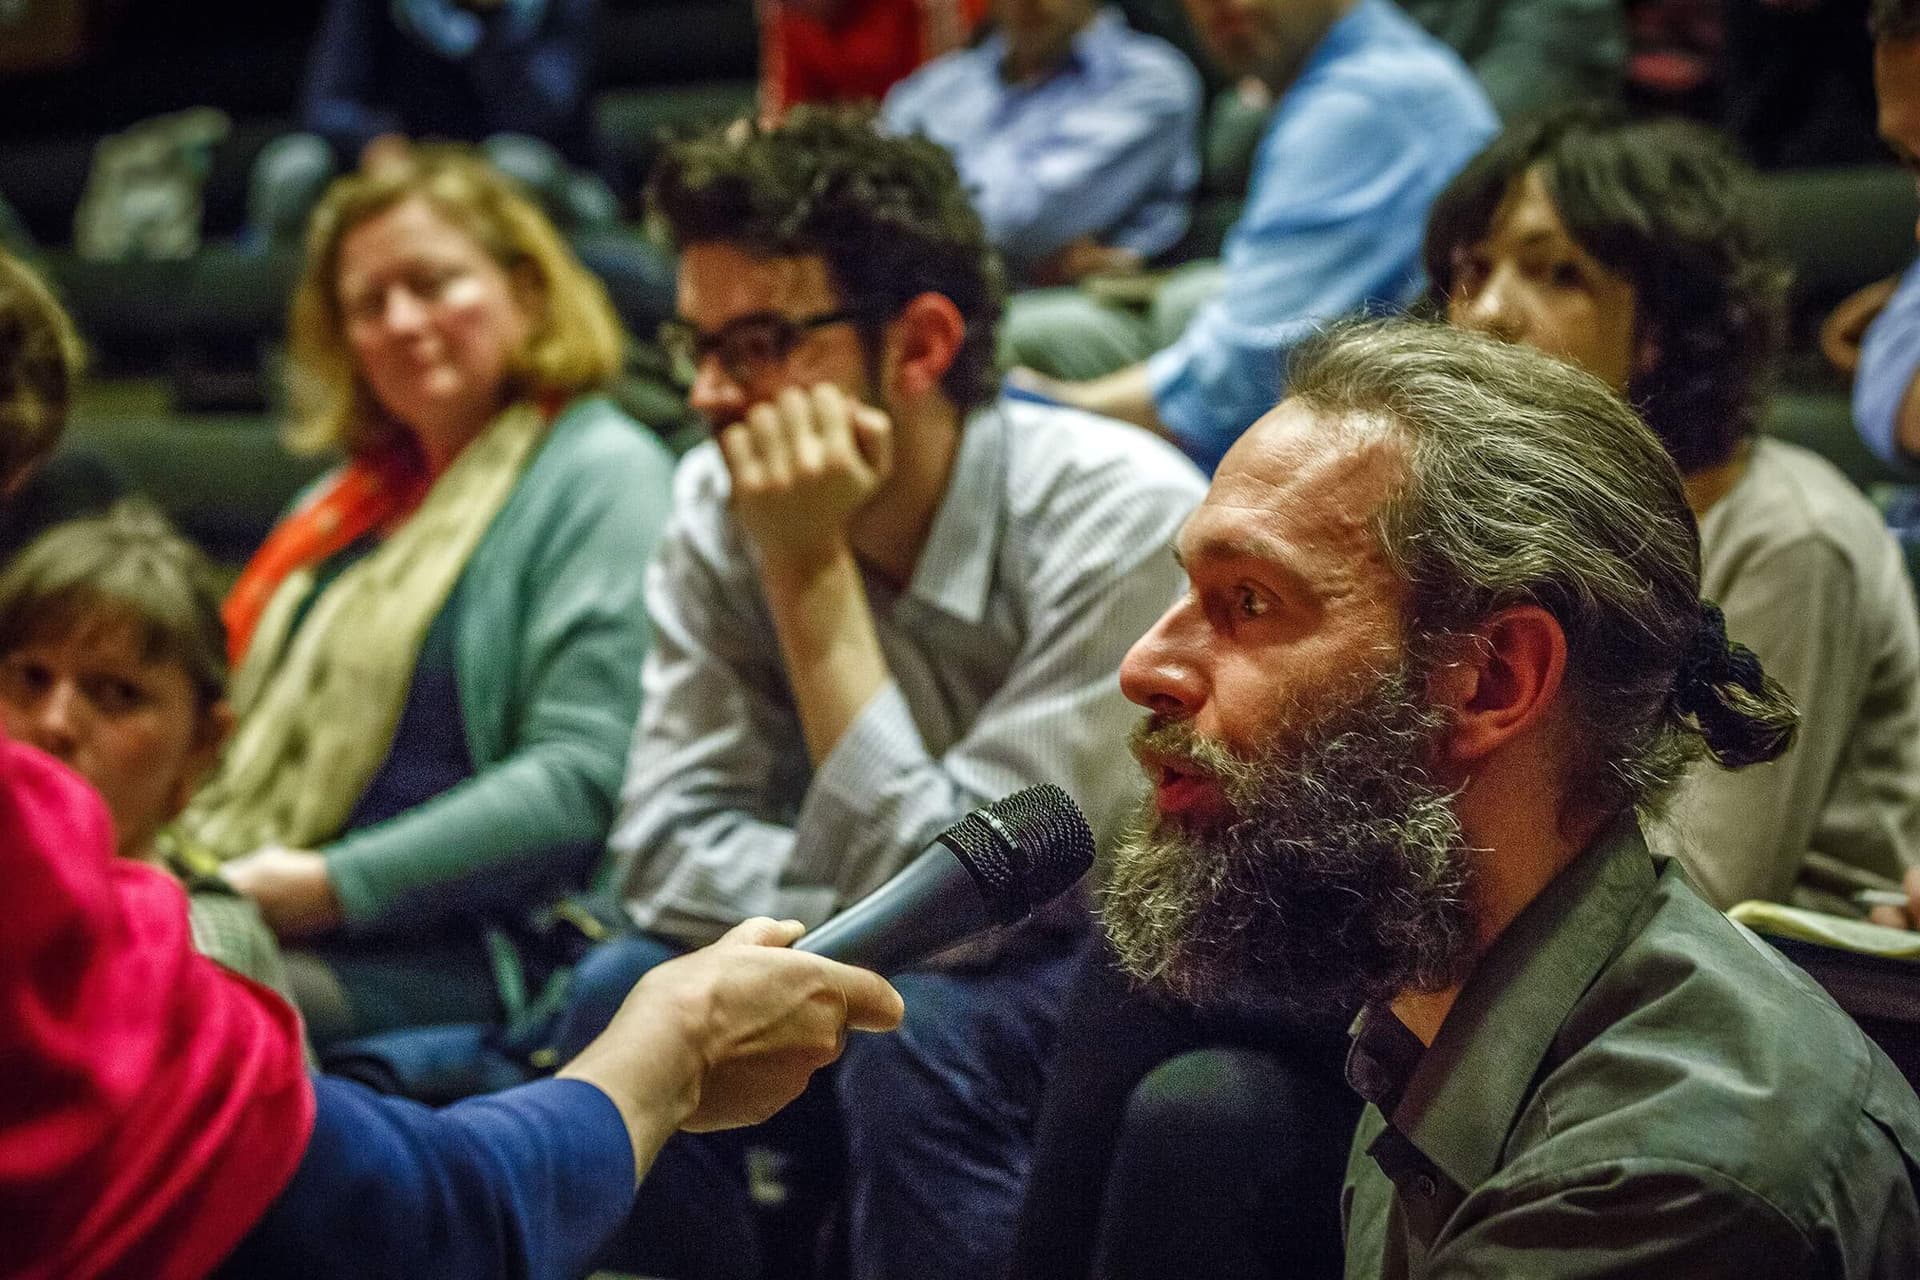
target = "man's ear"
x: 925, y: 338
x: 1504, y: 678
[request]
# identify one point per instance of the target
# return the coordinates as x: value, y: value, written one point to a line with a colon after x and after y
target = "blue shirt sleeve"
x: 1889, y: 361
x: 526, y: 1183
x: 1332, y: 226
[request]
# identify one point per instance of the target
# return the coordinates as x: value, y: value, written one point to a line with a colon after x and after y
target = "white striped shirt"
x: 1049, y: 556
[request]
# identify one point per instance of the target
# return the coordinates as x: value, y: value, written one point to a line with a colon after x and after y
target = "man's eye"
x: 756, y: 346
x: 1249, y: 603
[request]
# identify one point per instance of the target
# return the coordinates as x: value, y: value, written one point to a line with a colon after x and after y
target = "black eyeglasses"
x: 750, y: 347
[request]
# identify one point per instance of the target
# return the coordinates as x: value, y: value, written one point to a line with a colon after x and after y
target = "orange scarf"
x: 368, y: 494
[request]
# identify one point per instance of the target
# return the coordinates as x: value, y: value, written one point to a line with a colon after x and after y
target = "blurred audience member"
x: 158, y: 1121
x: 1886, y: 388
x: 113, y: 660
x: 1076, y: 137
x: 1886, y: 385
x: 1534, y: 55
x: 45, y: 488
x: 513, y: 75
x: 437, y: 652
x: 1637, y: 251
x: 1375, y: 116
x: 884, y: 598
x: 852, y: 50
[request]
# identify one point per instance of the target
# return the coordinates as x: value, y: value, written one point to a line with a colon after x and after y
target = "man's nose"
x: 714, y: 394
x: 1164, y: 671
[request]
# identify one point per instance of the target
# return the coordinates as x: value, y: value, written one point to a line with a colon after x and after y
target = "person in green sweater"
x: 437, y: 651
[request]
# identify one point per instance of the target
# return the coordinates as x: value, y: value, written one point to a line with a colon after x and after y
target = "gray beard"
x: 1342, y: 878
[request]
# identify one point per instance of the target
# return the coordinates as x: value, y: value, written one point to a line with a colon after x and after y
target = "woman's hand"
x: 291, y: 887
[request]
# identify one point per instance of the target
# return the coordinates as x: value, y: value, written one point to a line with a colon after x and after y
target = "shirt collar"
x: 1458, y: 1101
x: 955, y: 571
x: 1092, y: 49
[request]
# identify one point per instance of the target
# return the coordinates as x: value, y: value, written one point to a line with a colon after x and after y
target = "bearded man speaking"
x: 1443, y: 643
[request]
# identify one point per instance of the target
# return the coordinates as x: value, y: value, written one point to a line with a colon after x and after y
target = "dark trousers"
x: 937, y: 1118
x: 1173, y: 1142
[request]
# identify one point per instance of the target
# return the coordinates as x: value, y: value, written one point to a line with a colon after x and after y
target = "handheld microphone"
x: 993, y: 867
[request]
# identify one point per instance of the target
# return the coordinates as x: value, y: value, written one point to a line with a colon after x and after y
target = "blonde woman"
x: 437, y: 652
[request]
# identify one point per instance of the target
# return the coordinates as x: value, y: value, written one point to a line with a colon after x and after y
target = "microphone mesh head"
x: 1023, y: 850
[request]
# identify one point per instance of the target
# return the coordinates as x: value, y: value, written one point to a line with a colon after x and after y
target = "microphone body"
x: 927, y: 907
x: 993, y: 867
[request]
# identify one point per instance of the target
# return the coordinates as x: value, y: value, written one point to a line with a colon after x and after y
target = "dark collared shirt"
x: 1631, y: 1085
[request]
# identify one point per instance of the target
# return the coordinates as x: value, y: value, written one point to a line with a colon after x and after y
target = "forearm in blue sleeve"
x: 525, y: 1183
x: 1889, y: 362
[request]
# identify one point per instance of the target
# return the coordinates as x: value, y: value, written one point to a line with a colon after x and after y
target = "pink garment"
x: 152, y: 1104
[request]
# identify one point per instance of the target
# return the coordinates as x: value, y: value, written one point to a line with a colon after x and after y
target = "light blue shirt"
x: 1380, y: 118
x: 1105, y: 147
x: 1889, y: 362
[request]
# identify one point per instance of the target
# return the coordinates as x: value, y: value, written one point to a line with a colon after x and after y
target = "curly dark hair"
x: 1670, y: 206
x: 888, y: 214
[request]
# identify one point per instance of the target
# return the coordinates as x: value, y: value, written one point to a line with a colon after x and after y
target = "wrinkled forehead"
x: 1304, y: 489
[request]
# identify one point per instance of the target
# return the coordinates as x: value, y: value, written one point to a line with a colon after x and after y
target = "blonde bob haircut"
x: 575, y: 341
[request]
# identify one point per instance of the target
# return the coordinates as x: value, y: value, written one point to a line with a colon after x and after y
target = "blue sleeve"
x: 1332, y: 226
x: 339, y: 95
x: 526, y: 1183
x: 1889, y: 361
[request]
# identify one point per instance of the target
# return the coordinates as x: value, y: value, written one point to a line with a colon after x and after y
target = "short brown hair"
x: 40, y: 359
x: 576, y: 342
x: 128, y: 567
x: 887, y: 214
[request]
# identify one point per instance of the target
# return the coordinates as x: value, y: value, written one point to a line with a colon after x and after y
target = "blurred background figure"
x: 1637, y: 251
x: 437, y: 651
x: 1076, y: 137
x: 512, y: 75
x: 1534, y: 55
x: 1374, y: 115
x: 852, y: 50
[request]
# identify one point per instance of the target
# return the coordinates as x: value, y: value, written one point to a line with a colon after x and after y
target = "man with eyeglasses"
x: 885, y: 596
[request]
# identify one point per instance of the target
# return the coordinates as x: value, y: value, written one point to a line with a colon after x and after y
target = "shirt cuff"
x: 1175, y: 396
x: 881, y: 741
x: 347, y: 867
